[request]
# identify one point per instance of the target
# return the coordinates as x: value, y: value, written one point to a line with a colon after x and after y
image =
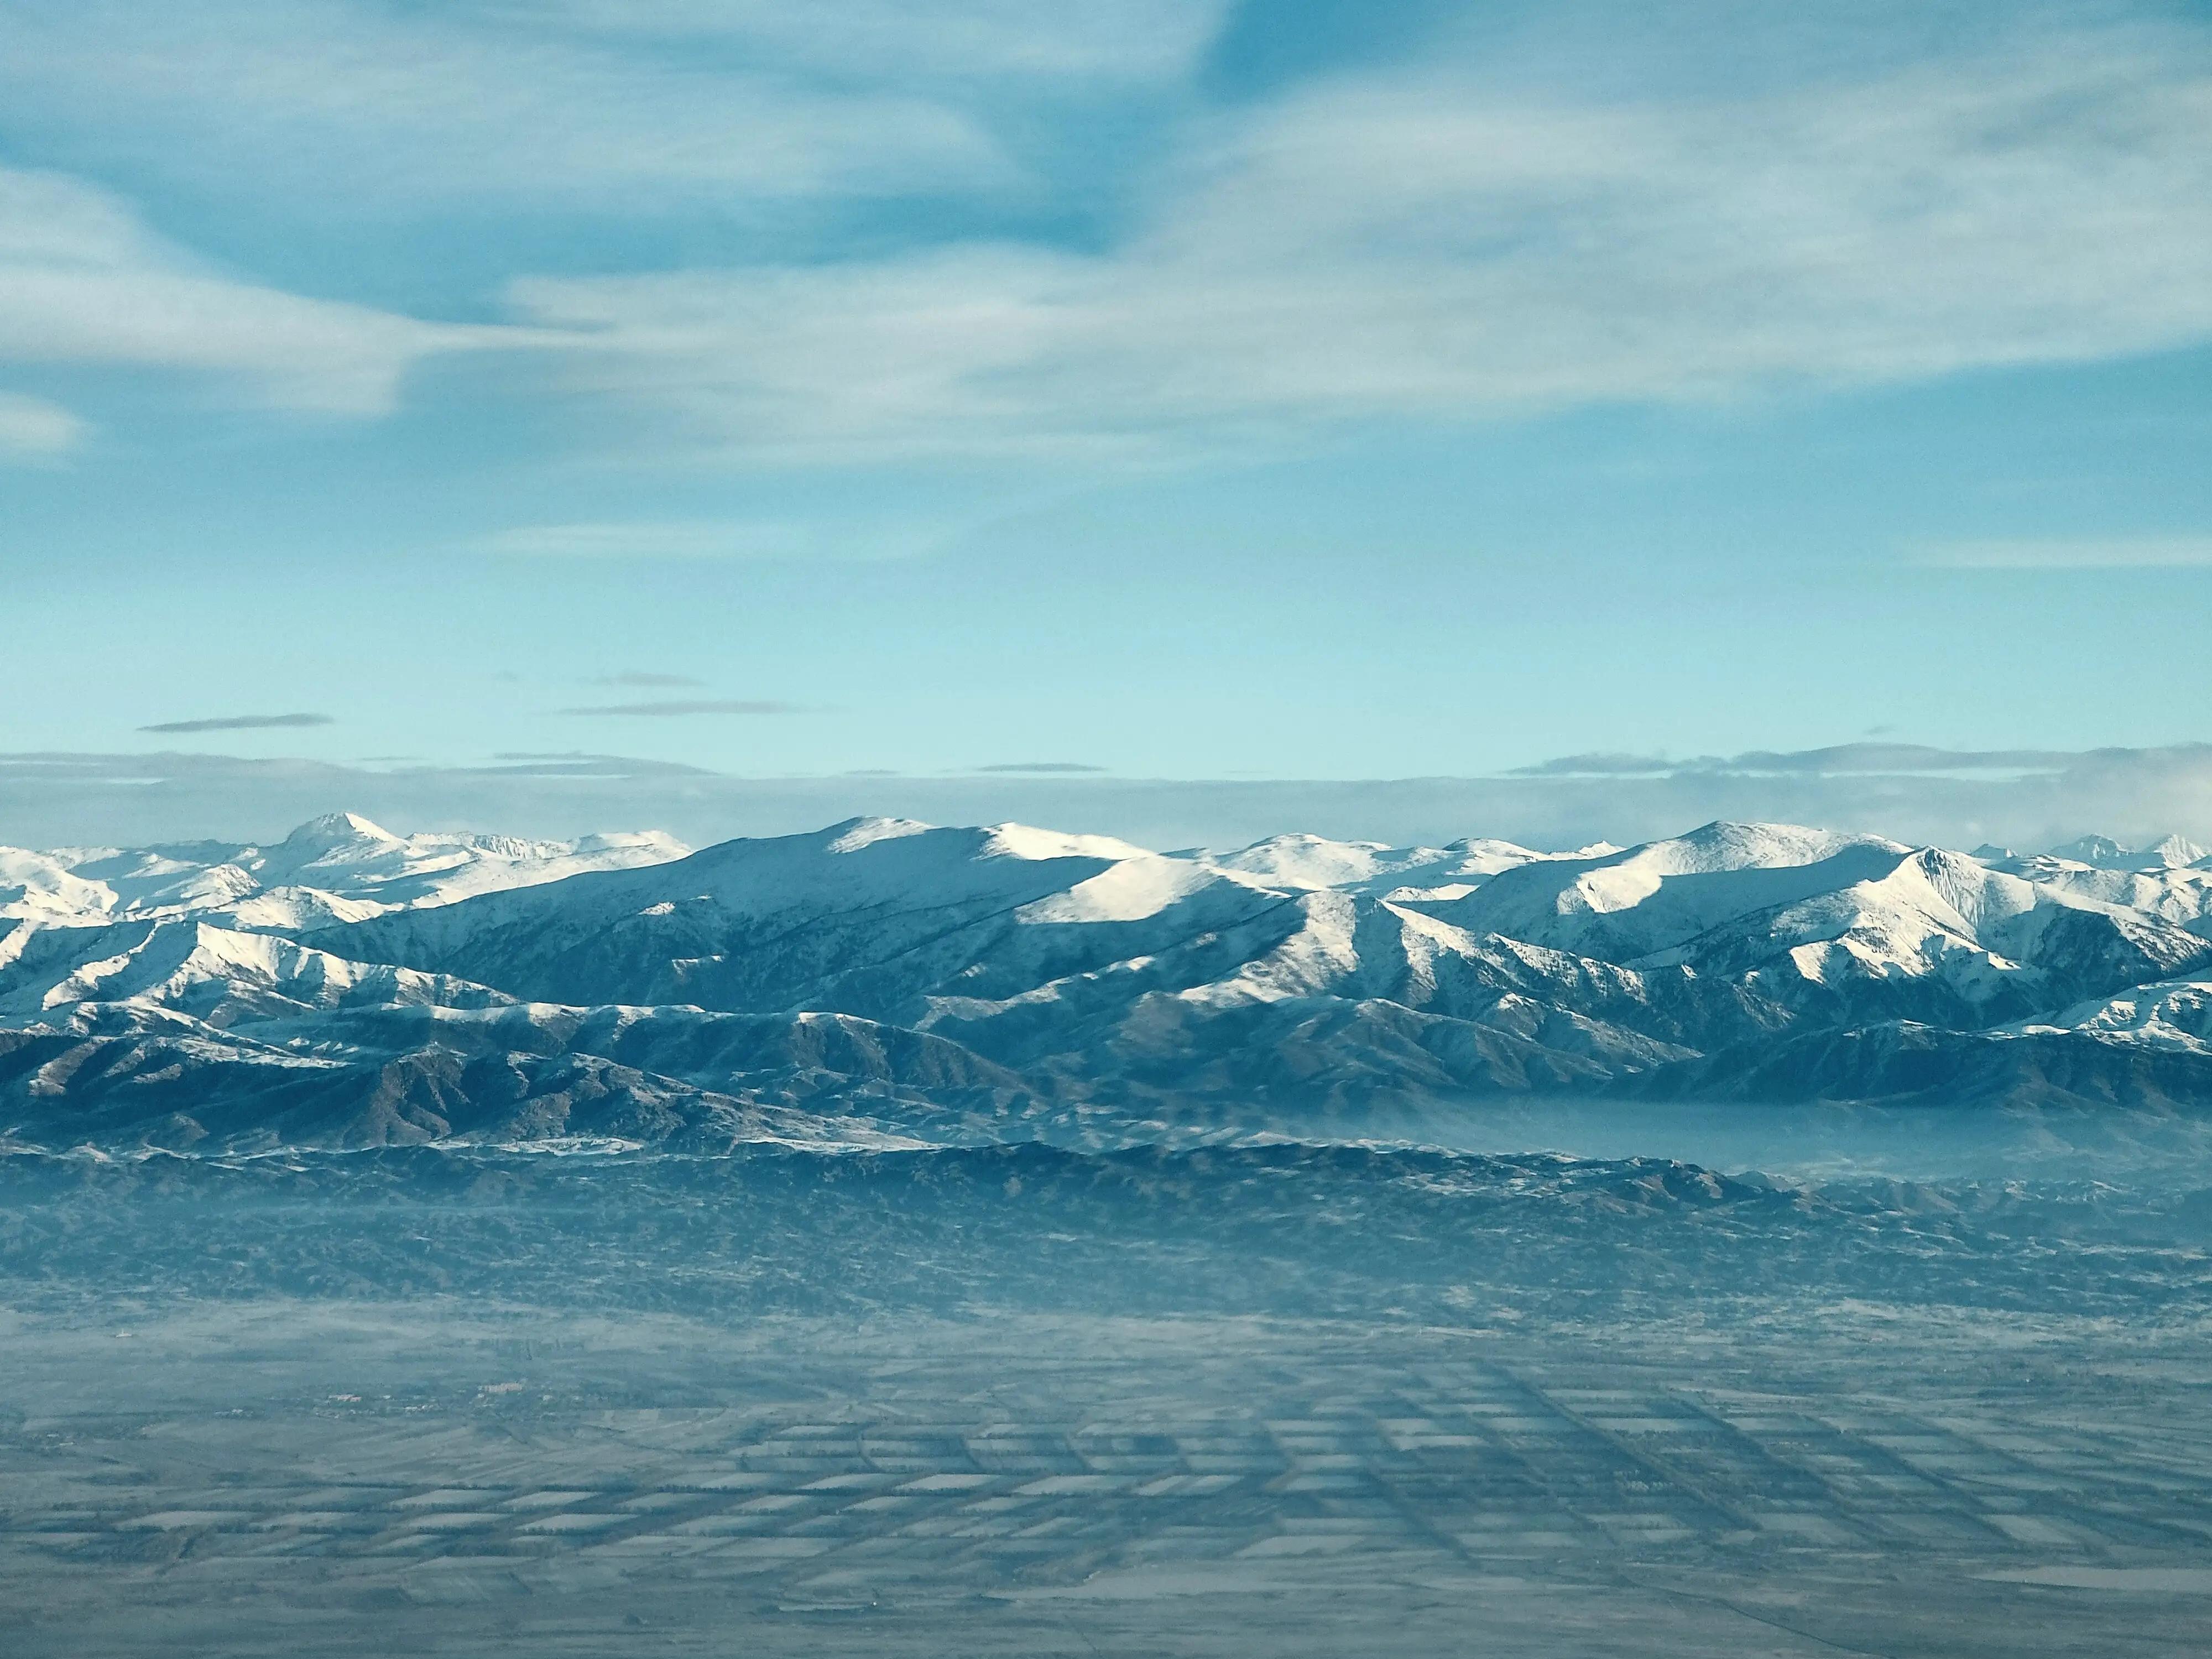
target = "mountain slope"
x: 889, y: 980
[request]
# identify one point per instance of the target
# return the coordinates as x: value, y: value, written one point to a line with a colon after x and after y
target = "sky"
x: 544, y: 417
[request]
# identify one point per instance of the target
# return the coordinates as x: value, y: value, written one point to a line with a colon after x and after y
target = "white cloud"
x: 363, y: 109
x: 83, y: 280
x: 963, y: 40
x: 2116, y: 553
x: 641, y: 540
x: 1436, y: 243
x: 713, y: 538
x: 1421, y: 247
x: 33, y: 430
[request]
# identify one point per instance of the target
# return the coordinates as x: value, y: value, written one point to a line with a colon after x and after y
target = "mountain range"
x: 883, y: 983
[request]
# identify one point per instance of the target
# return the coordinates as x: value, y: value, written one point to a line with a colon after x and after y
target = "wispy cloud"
x: 1609, y: 765
x: 569, y: 763
x: 1839, y: 760
x: 1424, y: 245
x: 1041, y: 766
x: 390, y: 110
x: 628, y: 540
x: 34, y: 429
x: 83, y: 280
x: 239, y: 723
x: 963, y: 40
x: 702, y: 706
x: 1448, y: 240
x: 2093, y: 553
x: 643, y: 681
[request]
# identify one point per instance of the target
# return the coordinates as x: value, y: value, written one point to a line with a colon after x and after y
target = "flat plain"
x: 1270, y: 1400
x: 273, y: 1476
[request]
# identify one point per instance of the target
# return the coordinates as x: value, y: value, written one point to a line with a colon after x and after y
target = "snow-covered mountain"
x: 338, y: 868
x: 882, y: 981
x: 2102, y: 853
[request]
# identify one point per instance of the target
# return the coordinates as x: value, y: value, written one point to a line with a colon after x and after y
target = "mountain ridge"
x: 885, y: 982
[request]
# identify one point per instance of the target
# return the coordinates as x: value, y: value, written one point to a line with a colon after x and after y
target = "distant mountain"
x: 883, y: 982
x: 338, y: 868
x: 2102, y: 853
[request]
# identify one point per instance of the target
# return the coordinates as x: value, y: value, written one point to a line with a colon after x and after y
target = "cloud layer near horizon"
x: 2034, y: 800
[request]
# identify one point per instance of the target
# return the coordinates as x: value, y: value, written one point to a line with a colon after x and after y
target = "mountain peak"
x: 854, y: 833
x: 1023, y: 840
x: 336, y: 829
x: 2103, y: 852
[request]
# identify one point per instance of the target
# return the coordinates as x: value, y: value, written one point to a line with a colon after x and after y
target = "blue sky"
x: 1287, y: 389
